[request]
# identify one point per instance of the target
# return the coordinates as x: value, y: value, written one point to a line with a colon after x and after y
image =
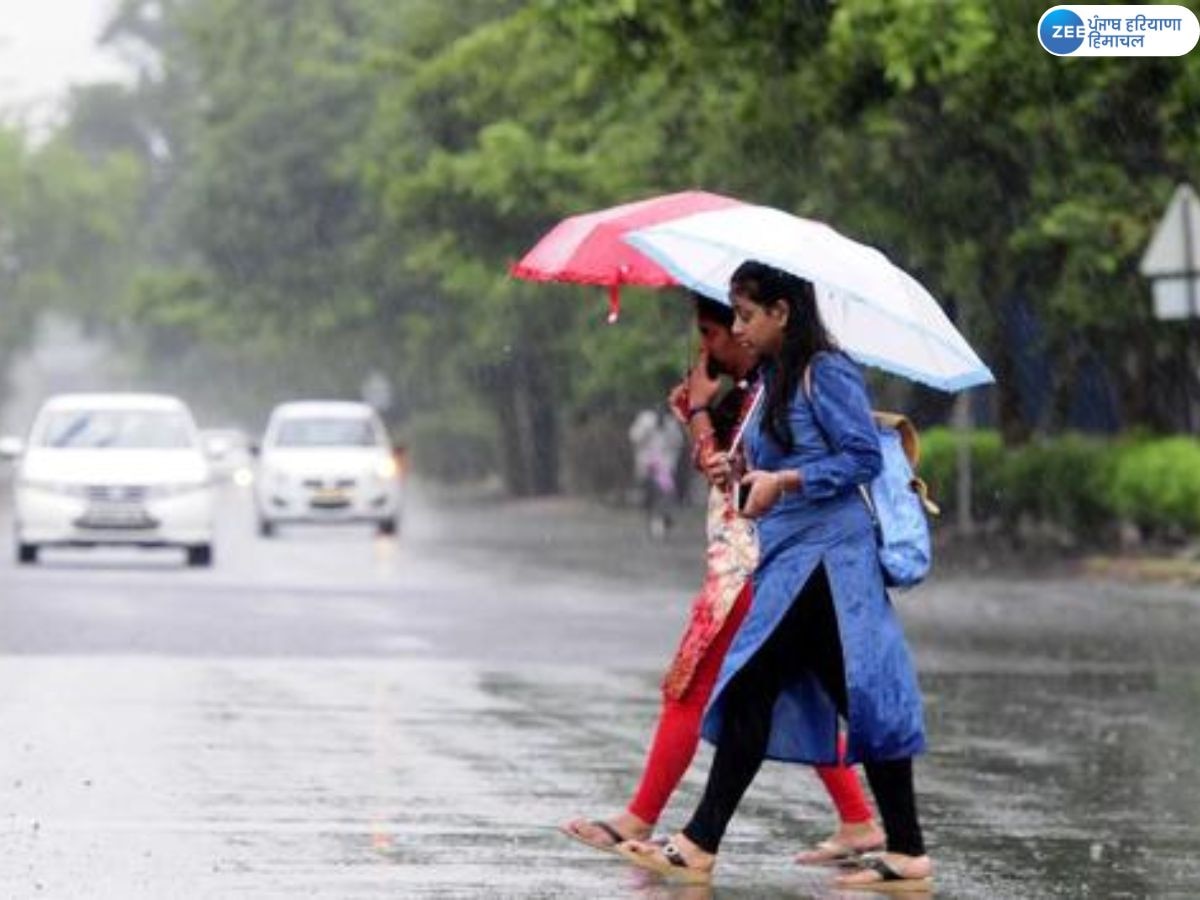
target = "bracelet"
x: 694, y: 411
x: 781, y: 482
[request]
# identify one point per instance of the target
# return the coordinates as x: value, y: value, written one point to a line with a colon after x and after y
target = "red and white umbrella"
x: 588, y: 248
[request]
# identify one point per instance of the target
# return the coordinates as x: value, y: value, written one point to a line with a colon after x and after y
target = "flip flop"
x: 667, y: 861
x: 889, y: 882
x: 615, y: 837
x: 832, y: 852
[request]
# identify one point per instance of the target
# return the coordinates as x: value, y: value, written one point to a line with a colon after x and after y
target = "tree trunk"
x: 1010, y: 416
x: 1064, y: 381
x: 528, y: 426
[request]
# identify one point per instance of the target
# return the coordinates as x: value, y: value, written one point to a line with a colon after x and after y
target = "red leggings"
x: 678, y: 736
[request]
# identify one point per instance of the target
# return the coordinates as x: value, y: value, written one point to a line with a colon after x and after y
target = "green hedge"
x: 1082, y: 486
x: 1157, y: 485
x: 939, y: 455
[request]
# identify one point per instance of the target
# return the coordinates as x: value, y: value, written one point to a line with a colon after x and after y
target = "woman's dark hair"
x: 803, y: 338
x: 710, y: 310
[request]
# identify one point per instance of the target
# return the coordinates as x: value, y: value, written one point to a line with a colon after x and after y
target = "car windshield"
x: 126, y: 429
x: 332, y: 432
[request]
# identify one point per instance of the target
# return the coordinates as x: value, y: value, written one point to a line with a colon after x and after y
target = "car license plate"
x: 330, y: 498
x: 116, y: 515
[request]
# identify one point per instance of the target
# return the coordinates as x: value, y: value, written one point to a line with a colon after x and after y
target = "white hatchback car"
x: 327, y: 461
x: 113, y: 469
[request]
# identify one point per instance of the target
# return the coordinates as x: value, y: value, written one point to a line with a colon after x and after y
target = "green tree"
x: 66, y: 233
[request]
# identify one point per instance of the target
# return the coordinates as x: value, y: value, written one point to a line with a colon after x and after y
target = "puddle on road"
x: 1050, y: 782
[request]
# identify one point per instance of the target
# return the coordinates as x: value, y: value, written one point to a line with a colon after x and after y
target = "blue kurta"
x: 827, y: 522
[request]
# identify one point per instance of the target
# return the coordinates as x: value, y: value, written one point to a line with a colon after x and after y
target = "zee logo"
x: 1061, y: 32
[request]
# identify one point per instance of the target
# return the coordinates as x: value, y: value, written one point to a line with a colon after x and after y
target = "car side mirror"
x: 11, y: 447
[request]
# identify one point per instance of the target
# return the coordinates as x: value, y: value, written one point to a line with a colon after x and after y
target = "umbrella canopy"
x: 875, y: 310
x: 587, y: 249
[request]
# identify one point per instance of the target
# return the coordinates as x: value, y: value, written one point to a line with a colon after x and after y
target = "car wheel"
x: 199, y: 555
x: 389, y: 526
x: 266, y: 528
x: 27, y: 554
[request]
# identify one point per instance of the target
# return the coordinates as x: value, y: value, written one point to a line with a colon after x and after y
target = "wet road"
x: 333, y: 715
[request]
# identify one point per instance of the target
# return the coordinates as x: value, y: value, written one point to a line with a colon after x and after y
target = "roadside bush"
x: 451, y: 447
x: 939, y: 468
x: 1061, y: 482
x: 1157, y: 485
x: 1074, y: 488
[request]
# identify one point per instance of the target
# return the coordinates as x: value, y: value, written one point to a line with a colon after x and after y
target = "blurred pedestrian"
x: 657, y: 444
x: 716, y: 613
x: 821, y: 640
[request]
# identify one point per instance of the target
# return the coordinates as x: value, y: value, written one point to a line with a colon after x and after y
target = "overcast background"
x: 46, y: 45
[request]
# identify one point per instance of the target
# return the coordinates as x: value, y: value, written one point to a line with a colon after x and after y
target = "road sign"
x: 376, y: 390
x: 1172, y: 260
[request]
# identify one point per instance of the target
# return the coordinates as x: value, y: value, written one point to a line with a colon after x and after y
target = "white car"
x: 327, y: 461
x: 113, y: 469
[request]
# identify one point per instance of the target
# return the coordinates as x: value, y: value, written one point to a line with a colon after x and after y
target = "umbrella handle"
x: 614, y: 294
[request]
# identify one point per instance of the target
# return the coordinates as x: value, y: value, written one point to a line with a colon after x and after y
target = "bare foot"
x: 631, y: 826
x: 862, y: 836
x: 605, y: 834
x: 679, y: 859
x: 896, y: 871
x: 845, y: 845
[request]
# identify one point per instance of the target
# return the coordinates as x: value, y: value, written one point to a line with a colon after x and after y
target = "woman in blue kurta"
x: 821, y: 641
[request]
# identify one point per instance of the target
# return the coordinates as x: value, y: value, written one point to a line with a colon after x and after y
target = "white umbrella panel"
x: 875, y: 310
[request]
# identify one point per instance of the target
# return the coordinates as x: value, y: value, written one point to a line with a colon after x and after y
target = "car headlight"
x: 174, y: 489
x: 386, y: 469
x: 61, y: 488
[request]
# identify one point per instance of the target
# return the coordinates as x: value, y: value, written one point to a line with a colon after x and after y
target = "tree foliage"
x: 326, y: 187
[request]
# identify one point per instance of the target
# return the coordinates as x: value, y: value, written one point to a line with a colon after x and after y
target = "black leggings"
x: 806, y: 639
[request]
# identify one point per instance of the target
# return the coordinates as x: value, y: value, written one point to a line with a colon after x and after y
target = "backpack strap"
x: 922, y: 491
x: 910, y: 440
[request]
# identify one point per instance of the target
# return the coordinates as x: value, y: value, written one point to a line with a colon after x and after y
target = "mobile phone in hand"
x: 741, y: 495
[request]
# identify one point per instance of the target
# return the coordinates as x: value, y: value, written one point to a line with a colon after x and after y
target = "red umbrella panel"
x: 587, y: 249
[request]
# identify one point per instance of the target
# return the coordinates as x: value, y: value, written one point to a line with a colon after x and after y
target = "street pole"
x: 1189, y: 271
x: 962, y: 425
x: 962, y: 453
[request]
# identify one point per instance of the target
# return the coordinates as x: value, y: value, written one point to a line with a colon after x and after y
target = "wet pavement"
x: 330, y: 714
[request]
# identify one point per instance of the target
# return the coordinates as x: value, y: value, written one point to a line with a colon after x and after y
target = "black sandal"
x: 890, y: 881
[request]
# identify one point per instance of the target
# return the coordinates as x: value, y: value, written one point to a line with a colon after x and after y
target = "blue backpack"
x: 899, y: 501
